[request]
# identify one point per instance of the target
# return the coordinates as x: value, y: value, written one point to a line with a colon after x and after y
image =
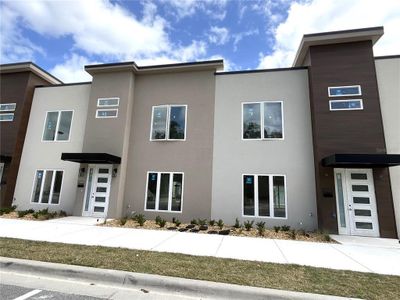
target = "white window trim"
x: 7, y: 114
x: 171, y: 174
x: 271, y: 197
x: 262, y: 121
x: 5, y: 110
x: 51, y: 187
x: 347, y: 100
x: 168, y: 106
x: 344, y: 86
x: 58, y: 123
x: 106, y: 117
x: 108, y: 105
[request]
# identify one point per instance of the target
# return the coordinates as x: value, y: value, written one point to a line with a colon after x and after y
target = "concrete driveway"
x: 362, y: 257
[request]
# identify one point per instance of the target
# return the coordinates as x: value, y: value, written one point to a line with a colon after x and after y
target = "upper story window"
x: 264, y: 196
x: 103, y: 113
x: 164, y: 191
x: 168, y: 122
x: 262, y: 120
x: 9, y: 108
x: 353, y: 104
x: 58, y: 125
x: 47, y: 186
x: 340, y: 91
x: 107, y: 102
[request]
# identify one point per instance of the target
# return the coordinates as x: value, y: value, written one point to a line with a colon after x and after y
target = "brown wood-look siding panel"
x: 385, y: 204
x: 346, y: 131
x: 20, y: 87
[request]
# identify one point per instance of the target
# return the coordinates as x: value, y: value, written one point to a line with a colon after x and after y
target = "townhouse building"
x: 314, y: 146
x: 17, y: 84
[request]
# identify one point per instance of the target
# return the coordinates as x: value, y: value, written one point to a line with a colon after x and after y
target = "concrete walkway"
x: 362, y: 258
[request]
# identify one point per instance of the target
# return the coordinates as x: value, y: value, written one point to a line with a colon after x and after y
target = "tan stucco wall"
x: 292, y: 156
x: 111, y: 135
x: 388, y: 76
x: 193, y: 156
x: 47, y: 155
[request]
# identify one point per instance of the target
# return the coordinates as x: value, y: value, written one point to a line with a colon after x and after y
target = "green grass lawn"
x: 268, y: 275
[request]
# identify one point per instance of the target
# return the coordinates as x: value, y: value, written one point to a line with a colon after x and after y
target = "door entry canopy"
x: 92, y: 158
x: 361, y: 160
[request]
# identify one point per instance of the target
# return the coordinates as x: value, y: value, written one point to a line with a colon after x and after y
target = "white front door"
x: 356, y: 203
x: 98, y: 184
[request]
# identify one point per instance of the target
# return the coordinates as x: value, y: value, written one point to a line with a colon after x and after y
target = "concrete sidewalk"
x: 362, y: 258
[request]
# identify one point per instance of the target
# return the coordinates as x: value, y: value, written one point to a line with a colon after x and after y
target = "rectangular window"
x: 57, y: 126
x: 164, y: 191
x: 7, y: 117
x: 262, y: 120
x: 264, y: 196
x: 104, y: 102
x: 107, y: 113
x: 340, y: 91
x: 47, y: 186
x: 168, y: 122
x: 353, y: 104
x: 7, y: 107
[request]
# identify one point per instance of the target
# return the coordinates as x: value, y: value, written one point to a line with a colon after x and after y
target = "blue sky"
x: 63, y: 36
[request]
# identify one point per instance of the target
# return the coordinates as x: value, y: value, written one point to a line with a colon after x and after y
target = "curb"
x: 149, y: 282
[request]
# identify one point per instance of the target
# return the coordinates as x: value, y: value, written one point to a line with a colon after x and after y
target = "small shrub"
x: 220, y: 224
x: 211, y: 222
x: 237, y: 224
x: 248, y: 225
x: 292, y: 234
x: 44, y: 214
x: 173, y: 220
x: 202, y: 222
x: 7, y: 210
x: 141, y: 219
x: 326, y: 237
x: 285, y: 228
x: 158, y: 219
x: 123, y: 221
x: 177, y: 222
x: 193, y: 222
x: 162, y: 223
x: 260, y: 228
x: 23, y: 213
x: 277, y: 228
x: 62, y: 213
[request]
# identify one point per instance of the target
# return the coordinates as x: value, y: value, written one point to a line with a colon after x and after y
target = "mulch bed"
x: 225, y: 230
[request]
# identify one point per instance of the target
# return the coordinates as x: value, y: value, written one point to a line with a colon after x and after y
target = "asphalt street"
x: 14, y: 292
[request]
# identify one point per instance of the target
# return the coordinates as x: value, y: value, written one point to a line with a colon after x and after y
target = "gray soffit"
x: 29, y: 67
x: 335, y: 37
x: 133, y: 67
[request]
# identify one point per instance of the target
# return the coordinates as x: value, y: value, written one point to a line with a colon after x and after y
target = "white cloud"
x: 330, y: 15
x: 218, y: 35
x: 72, y: 69
x: 237, y: 37
x: 98, y: 29
x: 186, y: 8
x: 13, y: 46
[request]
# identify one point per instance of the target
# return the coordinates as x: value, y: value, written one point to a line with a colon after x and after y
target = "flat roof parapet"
x: 335, y: 37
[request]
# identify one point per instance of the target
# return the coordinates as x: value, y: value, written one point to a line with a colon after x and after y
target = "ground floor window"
x: 264, y: 196
x: 164, y: 191
x: 47, y: 186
